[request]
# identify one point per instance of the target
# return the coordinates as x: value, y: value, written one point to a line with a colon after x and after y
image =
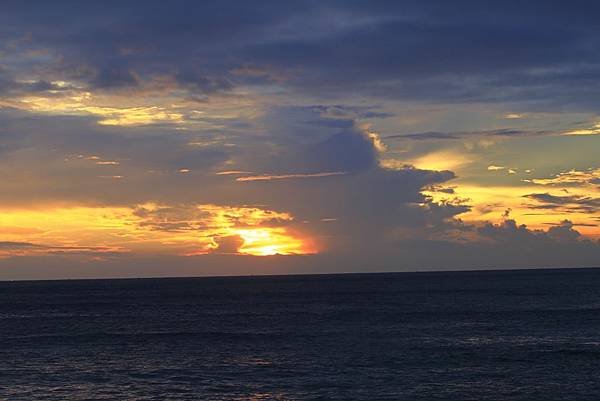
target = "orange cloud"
x: 489, y: 204
x: 150, y: 229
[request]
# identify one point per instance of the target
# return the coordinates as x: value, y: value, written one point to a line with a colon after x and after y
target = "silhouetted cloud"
x: 577, y: 202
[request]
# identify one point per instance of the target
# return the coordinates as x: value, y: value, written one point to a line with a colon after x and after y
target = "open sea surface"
x: 500, y: 335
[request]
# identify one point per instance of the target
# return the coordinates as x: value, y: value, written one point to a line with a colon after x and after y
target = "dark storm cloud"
x: 491, y: 52
x: 542, y: 54
x: 105, y: 45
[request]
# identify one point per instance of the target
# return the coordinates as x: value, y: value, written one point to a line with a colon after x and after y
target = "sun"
x: 271, y: 241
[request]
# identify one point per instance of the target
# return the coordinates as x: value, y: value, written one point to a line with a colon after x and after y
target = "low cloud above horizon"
x: 233, y: 137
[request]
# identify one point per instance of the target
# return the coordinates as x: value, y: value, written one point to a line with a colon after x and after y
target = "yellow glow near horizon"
x: 148, y: 229
x: 270, y: 241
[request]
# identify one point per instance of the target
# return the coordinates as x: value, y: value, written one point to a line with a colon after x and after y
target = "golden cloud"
x: 151, y: 229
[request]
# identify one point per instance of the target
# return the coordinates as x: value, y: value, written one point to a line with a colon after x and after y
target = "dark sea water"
x: 520, y: 335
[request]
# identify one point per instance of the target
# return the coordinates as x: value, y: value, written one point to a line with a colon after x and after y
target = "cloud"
x: 144, y: 158
x: 16, y: 245
x: 233, y: 172
x: 571, y: 177
x: 229, y: 245
x: 176, y: 229
x: 513, y: 116
x: 424, y: 136
x: 595, y: 130
x: 346, y: 151
x: 500, y: 133
x: 509, y: 232
x: 109, y: 78
x: 567, y: 202
x: 268, y: 177
x: 200, y: 84
x: 12, y: 249
x: 410, y: 51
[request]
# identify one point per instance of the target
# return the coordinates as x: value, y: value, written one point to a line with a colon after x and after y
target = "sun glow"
x: 441, y: 160
x: 271, y: 241
x: 149, y: 229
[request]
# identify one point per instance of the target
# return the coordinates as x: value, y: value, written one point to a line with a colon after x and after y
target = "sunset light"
x: 147, y: 229
x: 271, y: 241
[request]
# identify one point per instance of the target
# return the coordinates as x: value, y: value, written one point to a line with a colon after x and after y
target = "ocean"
x: 495, y: 335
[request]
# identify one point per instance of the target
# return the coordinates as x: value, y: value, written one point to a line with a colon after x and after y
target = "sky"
x: 230, y: 137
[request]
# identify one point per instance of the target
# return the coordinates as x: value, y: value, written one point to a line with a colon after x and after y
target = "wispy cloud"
x: 595, y: 130
x: 504, y: 132
x: 271, y: 177
x: 233, y: 172
x: 513, y: 116
x: 572, y: 177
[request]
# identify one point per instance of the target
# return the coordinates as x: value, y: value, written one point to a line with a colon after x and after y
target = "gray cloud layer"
x: 542, y: 55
